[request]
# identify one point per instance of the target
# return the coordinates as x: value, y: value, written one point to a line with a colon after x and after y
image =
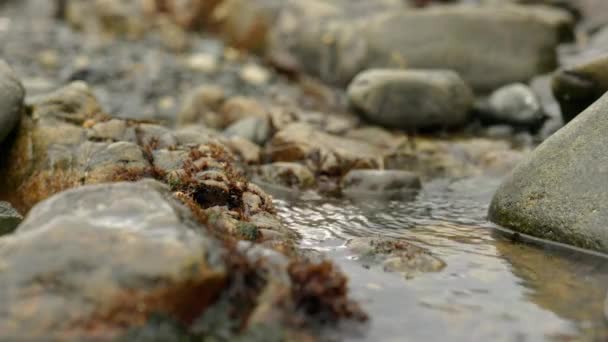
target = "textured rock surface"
x: 68, y: 141
x: 557, y: 193
x: 411, y: 99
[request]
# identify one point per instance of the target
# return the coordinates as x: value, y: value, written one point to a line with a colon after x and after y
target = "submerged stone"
x: 389, y: 184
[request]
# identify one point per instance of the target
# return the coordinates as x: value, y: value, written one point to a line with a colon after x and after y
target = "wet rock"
x: 577, y: 87
x: 9, y: 218
x: 514, y: 104
x: 291, y: 175
x: 321, y: 152
x: 12, y: 94
x: 337, y: 48
x: 256, y: 129
x: 395, y: 256
x: 411, y: 99
x: 113, y: 246
x: 85, y: 258
x: 389, y: 184
x: 556, y: 193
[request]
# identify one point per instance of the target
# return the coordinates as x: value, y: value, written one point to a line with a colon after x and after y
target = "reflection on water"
x: 492, y: 289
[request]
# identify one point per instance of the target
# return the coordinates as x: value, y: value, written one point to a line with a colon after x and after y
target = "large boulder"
x: 12, y: 94
x: 558, y: 192
x: 411, y: 99
x: 523, y: 41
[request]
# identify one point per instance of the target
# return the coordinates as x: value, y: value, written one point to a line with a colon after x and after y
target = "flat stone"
x: 411, y: 99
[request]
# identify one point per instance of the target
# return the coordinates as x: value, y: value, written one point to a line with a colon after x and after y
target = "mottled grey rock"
x: 411, y: 99
x: 255, y: 129
x: 522, y: 40
x: 558, y: 192
x: 12, y: 95
x: 390, y: 184
x: 98, y: 250
x: 514, y: 104
x: 577, y: 87
x: 9, y: 218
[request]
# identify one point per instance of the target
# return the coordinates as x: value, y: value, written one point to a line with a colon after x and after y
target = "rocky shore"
x: 137, y: 138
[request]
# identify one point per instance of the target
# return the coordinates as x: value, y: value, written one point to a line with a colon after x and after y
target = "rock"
x: 514, y: 104
x: 557, y: 192
x: 377, y: 136
x: 200, y: 104
x: 395, y: 256
x: 247, y: 151
x: 291, y: 175
x: 12, y: 95
x: 321, y: 152
x: 577, y: 87
x: 541, y: 86
x: 254, y: 74
x: 113, y: 246
x: 9, y: 218
x: 240, y: 107
x: 110, y: 261
x: 256, y: 129
x: 411, y: 99
x: 67, y: 141
x: 339, y: 47
x: 389, y: 184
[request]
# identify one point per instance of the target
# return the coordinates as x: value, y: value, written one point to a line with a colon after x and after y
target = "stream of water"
x: 492, y: 289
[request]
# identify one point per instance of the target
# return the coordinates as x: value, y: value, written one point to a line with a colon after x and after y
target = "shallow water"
x: 492, y: 289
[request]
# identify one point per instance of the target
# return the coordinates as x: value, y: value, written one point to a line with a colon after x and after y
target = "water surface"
x: 492, y: 289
